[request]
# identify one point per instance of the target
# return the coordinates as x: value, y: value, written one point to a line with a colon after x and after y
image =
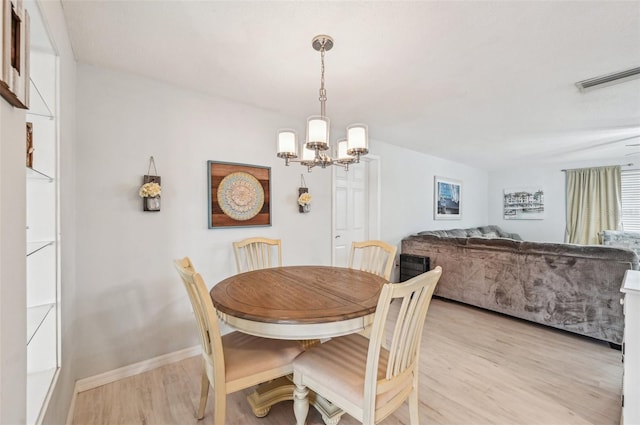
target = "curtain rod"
x: 621, y: 165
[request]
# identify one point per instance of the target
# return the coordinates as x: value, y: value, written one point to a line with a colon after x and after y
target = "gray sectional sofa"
x: 566, y: 286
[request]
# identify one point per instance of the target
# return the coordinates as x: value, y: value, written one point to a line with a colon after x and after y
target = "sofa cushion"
x: 623, y: 239
x: 457, y: 233
x: 491, y: 231
x: 489, y: 235
x: 473, y: 232
x: 488, y: 229
x: 494, y: 243
x: 583, y: 251
x: 426, y: 237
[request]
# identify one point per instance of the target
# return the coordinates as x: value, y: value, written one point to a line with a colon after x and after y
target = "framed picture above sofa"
x: 524, y: 203
x: 447, y: 202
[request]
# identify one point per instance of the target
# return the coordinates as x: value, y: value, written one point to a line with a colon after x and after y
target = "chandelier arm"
x: 323, y: 162
x: 308, y: 164
x: 341, y: 164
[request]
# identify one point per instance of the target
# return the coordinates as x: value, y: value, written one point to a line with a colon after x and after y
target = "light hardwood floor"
x: 477, y: 367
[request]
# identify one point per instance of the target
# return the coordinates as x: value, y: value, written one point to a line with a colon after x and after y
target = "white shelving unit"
x: 631, y: 349
x: 43, y: 255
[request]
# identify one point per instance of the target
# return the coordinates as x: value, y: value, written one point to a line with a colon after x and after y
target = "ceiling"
x: 490, y: 84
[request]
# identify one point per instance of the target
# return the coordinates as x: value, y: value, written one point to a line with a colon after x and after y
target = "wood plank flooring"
x: 476, y: 367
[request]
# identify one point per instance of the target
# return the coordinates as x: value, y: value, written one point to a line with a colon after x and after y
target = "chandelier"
x: 315, y: 149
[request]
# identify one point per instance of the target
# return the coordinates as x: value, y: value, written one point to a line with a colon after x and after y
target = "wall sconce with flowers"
x: 304, y: 197
x: 151, y: 190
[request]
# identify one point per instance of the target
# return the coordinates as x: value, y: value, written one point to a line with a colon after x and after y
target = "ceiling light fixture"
x: 313, y: 150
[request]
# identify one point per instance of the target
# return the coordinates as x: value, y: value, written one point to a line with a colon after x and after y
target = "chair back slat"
x: 373, y: 256
x: 257, y: 253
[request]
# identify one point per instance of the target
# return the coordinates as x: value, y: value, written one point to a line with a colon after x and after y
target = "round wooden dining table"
x: 306, y: 303
x: 298, y: 302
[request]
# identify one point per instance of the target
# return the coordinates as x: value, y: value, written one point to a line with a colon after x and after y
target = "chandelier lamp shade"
x: 316, y: 150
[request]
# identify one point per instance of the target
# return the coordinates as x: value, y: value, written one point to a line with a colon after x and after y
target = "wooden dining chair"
x: 359, y: 375
x: 236, y: 360
x: 257, y: 253
x: 373, y: 256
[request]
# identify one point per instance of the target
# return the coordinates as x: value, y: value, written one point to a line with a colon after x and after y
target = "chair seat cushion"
x: 246, y: 355
x: 340, y: 365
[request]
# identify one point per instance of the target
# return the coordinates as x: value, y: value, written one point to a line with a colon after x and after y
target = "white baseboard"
x: 127, y: 371
x: 135, y: 369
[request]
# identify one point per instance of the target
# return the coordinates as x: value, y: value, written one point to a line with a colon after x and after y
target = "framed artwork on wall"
x: 523, y: 203
x: 239, y: 195
x: 447, y: 202
x: 14, y: 58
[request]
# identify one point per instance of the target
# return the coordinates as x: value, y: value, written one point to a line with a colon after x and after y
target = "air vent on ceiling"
x: 609, y: 79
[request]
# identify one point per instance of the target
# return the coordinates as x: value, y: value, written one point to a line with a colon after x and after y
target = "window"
x: 631, y: 200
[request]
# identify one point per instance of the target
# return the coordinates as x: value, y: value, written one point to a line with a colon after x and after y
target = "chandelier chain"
x: 323, y: 92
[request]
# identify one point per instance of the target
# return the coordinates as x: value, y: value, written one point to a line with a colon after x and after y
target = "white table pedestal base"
x: 281, y: 389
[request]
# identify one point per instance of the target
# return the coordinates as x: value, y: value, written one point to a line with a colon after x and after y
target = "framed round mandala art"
x: 238, y: 195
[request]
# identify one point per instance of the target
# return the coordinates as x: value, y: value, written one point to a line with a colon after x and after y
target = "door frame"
x: 374, y: 184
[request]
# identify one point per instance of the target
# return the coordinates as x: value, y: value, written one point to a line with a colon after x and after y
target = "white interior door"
x: 355, y: 207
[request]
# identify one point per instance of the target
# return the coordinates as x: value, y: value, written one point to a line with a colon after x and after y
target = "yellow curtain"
x: 593, y: 203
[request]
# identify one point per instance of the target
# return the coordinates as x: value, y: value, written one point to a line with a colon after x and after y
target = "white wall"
x: 13, y: 295
x: 407, y: 192
x: 552, y: 180
x: 130, y: 304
